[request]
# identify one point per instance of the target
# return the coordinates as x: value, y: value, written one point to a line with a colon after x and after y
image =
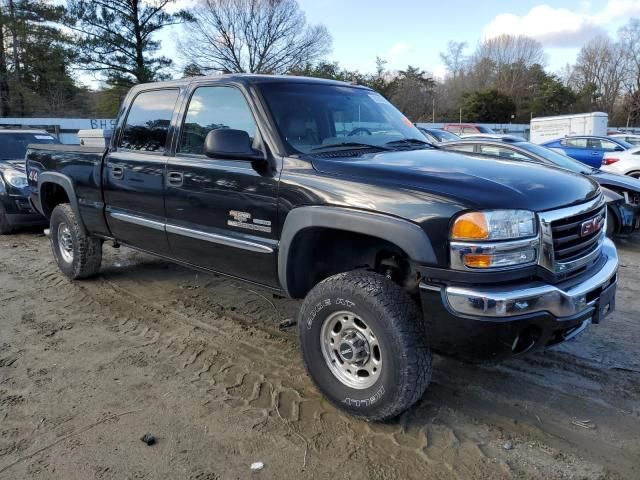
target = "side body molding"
x: 67, y: 184
x: 403, y: 233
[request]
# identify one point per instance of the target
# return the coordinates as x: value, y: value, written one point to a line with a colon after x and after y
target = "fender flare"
x: 406, y: 235
x: 67, y: 184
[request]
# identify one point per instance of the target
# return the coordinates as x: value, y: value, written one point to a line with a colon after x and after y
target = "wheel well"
x: 52, y: 195
x: 318, y: 253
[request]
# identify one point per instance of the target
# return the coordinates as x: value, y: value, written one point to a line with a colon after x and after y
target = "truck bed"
x: 82, y: 166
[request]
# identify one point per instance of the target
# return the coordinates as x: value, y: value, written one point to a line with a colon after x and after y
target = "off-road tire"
x: 397, y: 322
x: 87, y: 250
x: 5, y: 226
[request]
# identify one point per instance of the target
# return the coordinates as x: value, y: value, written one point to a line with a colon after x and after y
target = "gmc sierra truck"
x: 323, y: 191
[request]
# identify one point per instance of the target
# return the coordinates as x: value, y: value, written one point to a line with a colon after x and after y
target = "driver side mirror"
x: 227, y: 143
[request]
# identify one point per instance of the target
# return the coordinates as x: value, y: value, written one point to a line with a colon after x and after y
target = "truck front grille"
x: 569, y: 243
x: 572, y: 237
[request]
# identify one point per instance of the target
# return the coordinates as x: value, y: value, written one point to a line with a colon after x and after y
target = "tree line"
x: 45, y: 48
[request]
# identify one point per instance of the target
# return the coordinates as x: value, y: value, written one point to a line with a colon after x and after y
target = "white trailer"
x: 544, y: 129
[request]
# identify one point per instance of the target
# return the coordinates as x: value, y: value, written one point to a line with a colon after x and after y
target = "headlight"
x: 15, y: 178
x: 494, y: 225
x: 494, y: 239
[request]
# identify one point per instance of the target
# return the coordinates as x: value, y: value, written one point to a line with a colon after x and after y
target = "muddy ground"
x: 87, y: 368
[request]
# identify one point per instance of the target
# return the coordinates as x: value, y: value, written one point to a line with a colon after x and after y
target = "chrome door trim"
x: 135, y: 219
x: 197, y: 234
x: 219, y: 239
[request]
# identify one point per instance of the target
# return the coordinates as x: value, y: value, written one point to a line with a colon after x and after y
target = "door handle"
x: 595, y: 153
x: 175, y: 179
x: 117, y: 172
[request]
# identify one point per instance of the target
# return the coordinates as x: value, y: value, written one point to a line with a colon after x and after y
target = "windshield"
x: 328, y: 118
x: 557, y: 158
x: 13, y: 146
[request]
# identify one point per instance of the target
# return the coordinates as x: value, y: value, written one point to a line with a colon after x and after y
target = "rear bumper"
x: 488, y: 323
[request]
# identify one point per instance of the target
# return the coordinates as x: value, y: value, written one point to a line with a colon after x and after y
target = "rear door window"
x: 462, y: 148
x: 502, y: 152
x: 608, y: 145
x: 148, y: 121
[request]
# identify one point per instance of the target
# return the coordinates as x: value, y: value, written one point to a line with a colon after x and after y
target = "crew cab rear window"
x: 148, y: 121
x: 211, y: 108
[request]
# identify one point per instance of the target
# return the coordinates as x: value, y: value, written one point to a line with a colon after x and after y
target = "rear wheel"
x: 5, y: 226
x: 77, y: 254
x: 362, y: 341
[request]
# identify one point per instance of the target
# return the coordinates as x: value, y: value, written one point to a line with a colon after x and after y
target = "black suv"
x: 15, y: 210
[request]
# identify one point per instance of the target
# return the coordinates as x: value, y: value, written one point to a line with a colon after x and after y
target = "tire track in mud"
x: 217, y: 345
x: 264, y: 375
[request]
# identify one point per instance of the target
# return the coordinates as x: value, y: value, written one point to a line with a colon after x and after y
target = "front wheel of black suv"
x: 77, y: 254
x: 363, y: 344
x: 5, y: 226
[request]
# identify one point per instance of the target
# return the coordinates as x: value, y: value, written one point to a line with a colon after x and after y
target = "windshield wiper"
x: 410, y: 142
x: 349, y: 145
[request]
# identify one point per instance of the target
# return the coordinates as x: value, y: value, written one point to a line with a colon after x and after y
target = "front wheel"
x: 5, y: 226
x: 363, y: 344
x: 77, y: 254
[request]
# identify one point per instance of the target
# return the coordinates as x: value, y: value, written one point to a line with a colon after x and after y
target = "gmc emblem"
x: 590, y: 226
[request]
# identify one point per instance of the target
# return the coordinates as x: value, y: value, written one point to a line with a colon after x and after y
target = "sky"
x: 413, y: 32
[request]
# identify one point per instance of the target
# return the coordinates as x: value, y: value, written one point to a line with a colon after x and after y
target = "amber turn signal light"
x: 470, y: 226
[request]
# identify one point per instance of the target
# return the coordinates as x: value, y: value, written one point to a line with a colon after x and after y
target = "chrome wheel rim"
x: 351, y: 350
x: 65, y: 242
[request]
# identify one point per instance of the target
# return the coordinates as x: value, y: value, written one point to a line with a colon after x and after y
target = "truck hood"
x: 474, y: 182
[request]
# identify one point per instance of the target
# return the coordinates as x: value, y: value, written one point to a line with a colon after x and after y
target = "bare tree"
x: 256, y: 36
x: 504, y: 63
x: 454, y: 58
x: 629, y: 36
x: 601, y: 67
x: 511, y: 49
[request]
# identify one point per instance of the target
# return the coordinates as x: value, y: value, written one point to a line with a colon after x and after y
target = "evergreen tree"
x: 116, y: 38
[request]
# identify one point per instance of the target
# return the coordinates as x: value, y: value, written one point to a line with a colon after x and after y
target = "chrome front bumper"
x: 532, y: 297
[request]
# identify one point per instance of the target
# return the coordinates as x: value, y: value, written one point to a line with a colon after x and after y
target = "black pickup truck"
x: 322, y: 190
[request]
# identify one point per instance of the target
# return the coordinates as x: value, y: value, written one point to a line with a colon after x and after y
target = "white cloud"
x: 440, y: 72
x: 399, y: 49
x: 561, y: 27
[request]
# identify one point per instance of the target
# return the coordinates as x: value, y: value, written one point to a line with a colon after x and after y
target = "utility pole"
x: 433, y: 109
x: 460, y: 116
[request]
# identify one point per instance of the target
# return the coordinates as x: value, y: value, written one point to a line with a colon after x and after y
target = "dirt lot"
x: 87, y: 368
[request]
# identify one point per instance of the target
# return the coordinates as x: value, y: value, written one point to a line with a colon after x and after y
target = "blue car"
x: 588, y: 149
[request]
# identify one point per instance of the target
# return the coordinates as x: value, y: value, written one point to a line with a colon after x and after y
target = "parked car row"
x: 478, y: 248
x: 588, y: 149
x: 623, y: 193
